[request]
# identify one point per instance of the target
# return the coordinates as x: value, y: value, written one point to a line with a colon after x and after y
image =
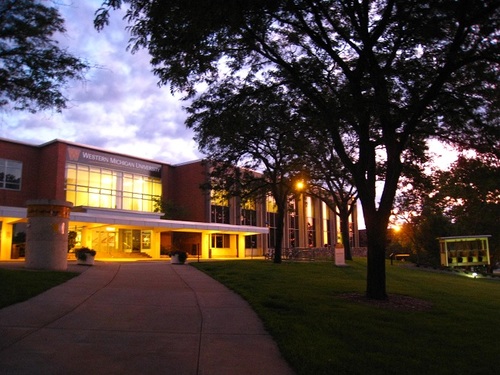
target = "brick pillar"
x: 47, y: 234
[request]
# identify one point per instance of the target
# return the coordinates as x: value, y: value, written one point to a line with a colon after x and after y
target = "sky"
x: 119, y: 107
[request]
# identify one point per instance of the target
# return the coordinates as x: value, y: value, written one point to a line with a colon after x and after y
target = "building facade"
x: 116, y: 197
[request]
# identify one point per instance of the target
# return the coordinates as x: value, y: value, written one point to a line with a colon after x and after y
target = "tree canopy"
x: 382, y: 76
x: 246, y: 128
x: 464, y: 200
x: 33, y: 68
x: 330, y: 181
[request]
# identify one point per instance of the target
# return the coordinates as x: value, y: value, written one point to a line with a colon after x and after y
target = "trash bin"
x: 15, y: 251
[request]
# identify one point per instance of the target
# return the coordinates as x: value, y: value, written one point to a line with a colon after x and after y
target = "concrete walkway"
x: 137, y: 318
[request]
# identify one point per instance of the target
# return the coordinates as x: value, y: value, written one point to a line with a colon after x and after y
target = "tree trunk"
x: 344, y: 230
x: 278, y: 246
x: 376, y: 221
x: 375, y: 276
x: 279, y: 233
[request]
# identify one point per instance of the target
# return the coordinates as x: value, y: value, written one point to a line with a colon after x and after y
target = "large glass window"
x: 248, y: 213
x: 293, y: 224
x: 219, y: 210
x: 327, y: 237
x: 271, y: 220
x: 100, y: 187
x: 10, y: 174
x: 311, y: 222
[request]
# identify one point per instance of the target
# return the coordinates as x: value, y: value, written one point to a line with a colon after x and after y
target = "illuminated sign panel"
x: 123, y: 163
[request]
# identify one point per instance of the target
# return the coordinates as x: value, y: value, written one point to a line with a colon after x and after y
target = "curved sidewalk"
x: 137, y: 318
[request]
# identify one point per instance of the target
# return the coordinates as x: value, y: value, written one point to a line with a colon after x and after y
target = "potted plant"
x: 85, y: 256
x: 178, y: 256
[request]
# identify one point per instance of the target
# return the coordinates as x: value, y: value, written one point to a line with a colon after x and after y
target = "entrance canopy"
x: 152, y: 220
x: 110, y: 230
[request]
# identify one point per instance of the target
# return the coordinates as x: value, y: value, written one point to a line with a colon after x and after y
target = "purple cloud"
x: 119, y: 107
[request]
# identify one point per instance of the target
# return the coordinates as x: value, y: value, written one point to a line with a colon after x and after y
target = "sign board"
x: 117, y: 162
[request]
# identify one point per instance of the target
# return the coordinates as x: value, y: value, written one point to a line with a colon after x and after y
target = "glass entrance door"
x: 104, y: 242
x: 130, y: 240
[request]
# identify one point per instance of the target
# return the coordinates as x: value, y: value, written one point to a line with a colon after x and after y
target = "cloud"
x: 119, y: 107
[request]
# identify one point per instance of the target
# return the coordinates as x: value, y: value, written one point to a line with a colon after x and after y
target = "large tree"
x: 469, y: 194
x: 330, y: 181
x: 33, y: 68
x: 246, y: 128
x: 382, y: 75
x: 462, y: 200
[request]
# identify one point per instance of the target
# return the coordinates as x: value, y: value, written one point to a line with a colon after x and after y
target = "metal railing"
x: 304, y: 254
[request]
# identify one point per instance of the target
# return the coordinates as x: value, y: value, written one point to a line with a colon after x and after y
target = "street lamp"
x: 300, y: 185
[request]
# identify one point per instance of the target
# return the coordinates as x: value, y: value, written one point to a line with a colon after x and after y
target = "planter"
x: 175, y: 259
x: 88, y: 261
x: 85, y: 256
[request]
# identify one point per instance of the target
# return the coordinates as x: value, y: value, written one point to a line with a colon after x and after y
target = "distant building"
x: 115, y: 197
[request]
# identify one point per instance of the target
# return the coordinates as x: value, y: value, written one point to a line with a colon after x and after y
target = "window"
x: 100, y: 187
x: 220, y: 241
x: 219, y: 210
x: 293, y: 224
x: 249, y: 213
x: 271, y: 220
x: 311, y: 222
x: 146, y: 240
x: 10, y: 174
x: 251, y: 241
x: 327, y: 236
x: 271, y: 205
x: 219, y: 214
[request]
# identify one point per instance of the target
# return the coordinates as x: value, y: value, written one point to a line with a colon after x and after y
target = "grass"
x: 19, y: 285
x: 319, y: 332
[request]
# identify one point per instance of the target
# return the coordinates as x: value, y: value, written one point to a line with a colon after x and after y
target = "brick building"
x: 114, y: 198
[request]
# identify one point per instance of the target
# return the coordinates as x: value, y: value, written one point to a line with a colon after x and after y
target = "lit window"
x: 311, y: 222
x: 220, y: 241
x: 219, y: 211
x: 271, y: 205
x: 327, y: 238
x: 106, y: 188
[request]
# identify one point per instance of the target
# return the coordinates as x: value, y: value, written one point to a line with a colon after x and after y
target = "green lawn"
x: 20, y: 285
x: 319, y: 332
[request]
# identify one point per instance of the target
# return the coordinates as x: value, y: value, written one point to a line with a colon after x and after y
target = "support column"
x: 47, y: 234
x: 6, y: 231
